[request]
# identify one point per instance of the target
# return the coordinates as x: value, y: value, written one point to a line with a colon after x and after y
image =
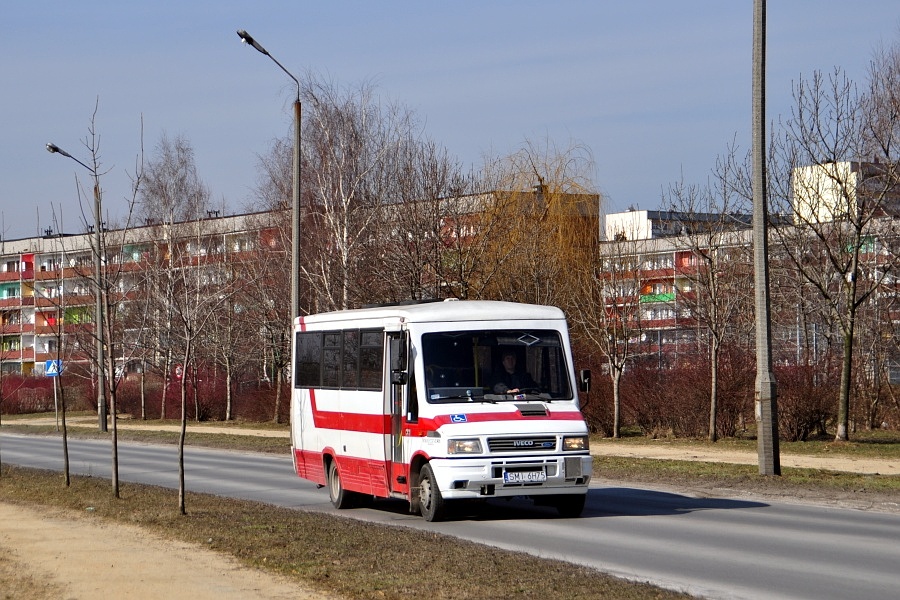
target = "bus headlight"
x: 472, y: 446
x: 579, y: 442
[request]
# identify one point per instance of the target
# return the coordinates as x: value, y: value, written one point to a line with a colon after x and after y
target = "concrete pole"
x: 766, y: 396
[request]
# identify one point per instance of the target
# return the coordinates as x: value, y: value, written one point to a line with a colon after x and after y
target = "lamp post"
x: 296, y: 208
x: 98, y: 282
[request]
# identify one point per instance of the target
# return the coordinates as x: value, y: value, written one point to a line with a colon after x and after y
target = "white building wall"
x: 824, y: 193
x: 633, y: 225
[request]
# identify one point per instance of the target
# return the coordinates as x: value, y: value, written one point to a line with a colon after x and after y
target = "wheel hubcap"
x: 426, y: 493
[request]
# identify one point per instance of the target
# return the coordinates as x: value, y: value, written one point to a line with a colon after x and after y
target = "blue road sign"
x: 52, y: 368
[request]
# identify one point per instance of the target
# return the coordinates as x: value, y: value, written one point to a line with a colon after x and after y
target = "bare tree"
x: 721, y: 267
x: 413, y: 229
x: 269, y: 265
x: 349, y: 143
x: 605, y: 309
x: 106, y: 281
x: 173, y: 193
x: 839, y: 152
x: 200, y: 290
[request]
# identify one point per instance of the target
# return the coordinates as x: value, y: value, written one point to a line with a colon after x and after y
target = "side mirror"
x: 399, y: 359
x: 399, y: 356
x: 584, y: 380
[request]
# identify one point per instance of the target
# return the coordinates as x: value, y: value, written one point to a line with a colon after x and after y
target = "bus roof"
x: 448, y: 310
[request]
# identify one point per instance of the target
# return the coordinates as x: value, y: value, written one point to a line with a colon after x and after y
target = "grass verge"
x: 334, y: 554
x: 884, y: 444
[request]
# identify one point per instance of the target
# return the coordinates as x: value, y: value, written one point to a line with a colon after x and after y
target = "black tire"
x: 340, y: 497
x: 569, y: 505
x: 431, y: 503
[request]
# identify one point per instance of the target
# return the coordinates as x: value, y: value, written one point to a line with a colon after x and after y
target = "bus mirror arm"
x: 399, y: 377
x: 584, y: 380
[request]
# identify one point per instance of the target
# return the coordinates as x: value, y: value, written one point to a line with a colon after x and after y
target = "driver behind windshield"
x: 510, y: 379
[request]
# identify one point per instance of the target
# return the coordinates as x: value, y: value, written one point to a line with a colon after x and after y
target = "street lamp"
x: 296, y: 208
x: 98, y: 281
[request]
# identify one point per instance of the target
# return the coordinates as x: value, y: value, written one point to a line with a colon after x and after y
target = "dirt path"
x: 62, y: 555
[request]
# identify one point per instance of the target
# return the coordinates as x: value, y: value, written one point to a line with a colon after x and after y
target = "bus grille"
x: 543, y: 443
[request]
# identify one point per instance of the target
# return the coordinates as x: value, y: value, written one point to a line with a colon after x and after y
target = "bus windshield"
x: 495, y: 366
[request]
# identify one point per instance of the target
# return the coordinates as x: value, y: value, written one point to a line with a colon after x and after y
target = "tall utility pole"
x: 100, y: 287
x: 296, y: 214
x: 766, y: 396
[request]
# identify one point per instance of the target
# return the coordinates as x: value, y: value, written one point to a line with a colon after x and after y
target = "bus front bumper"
x: 474, y: 478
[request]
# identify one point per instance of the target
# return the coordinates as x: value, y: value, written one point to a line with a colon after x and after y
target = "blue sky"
x: 654, y: 89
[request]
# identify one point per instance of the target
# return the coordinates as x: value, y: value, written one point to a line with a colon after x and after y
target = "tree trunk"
x: 143, y: 394
x: 843, y: 420
x: 617, y: 386
x: 277, y: 417
x: 228, y: 394
x: 65, y: 432
x: 713, y: 388
x: 181, y: 436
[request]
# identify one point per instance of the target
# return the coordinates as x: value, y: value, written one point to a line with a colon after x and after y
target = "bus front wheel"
x: 431, y: 503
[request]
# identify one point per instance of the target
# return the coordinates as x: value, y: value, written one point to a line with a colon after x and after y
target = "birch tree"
x: 349, y: 141
x: 173, y: 193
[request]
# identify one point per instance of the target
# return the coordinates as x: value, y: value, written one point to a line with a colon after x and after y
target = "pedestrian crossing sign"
x: 52, y: 368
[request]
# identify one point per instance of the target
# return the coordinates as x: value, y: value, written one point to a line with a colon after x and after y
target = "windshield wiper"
x: 468, y: 395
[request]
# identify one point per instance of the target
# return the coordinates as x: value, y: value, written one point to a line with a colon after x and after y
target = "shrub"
x: 805, y: 402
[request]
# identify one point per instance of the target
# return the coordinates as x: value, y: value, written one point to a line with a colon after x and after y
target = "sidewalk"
x: 660, y: 450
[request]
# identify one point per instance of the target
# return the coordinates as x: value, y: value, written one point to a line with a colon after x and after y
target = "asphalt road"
x: 711, y: 547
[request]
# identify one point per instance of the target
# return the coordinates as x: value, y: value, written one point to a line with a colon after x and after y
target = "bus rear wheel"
x: 431, y: 503
x: 340, y: 497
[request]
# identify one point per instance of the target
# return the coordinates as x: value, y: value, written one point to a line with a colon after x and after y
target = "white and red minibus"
x: 401, y: 402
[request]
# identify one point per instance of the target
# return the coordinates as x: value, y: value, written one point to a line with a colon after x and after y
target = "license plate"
x: 524, y: 476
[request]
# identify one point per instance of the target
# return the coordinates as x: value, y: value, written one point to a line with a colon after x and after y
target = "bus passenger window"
x: 371, y: 359
x: 351, y: 360
x: 308, y: 368
x: 331, y: 367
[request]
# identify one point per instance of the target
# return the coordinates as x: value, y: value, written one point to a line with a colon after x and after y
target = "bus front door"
x: 400, y: 380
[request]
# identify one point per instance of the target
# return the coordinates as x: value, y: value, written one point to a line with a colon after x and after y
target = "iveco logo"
x: 523, y: 443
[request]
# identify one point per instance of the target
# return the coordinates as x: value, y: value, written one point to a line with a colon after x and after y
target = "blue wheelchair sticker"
x: 458, y: 418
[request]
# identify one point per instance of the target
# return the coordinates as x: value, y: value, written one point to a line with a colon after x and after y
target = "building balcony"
x: 23, y: 354
x: 649, y: 298
x: 46, y: 330
x: 10, y: 276
x: 43, y: 357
